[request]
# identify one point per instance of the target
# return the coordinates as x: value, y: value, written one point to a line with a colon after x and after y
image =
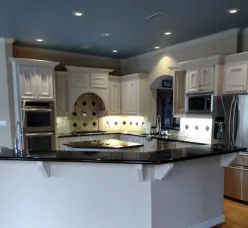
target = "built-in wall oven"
x: 38, y: 126
x: 41, y: 141
x: 38, y: 116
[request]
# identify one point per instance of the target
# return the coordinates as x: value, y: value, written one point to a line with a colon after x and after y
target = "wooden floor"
x: 236, y: 215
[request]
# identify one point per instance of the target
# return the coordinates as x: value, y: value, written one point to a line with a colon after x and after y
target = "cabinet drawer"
x: 99, y: 81
x: 139, y: 140
x: 80, y: 80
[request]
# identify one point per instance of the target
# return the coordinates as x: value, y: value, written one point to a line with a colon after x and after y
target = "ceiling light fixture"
x: 156, y: 47
x: 39, y: 40
x: 115, y: 51
x: 106, y: 34
x: 233, y: 11
x: 78, y: 13
x: 167, y: 33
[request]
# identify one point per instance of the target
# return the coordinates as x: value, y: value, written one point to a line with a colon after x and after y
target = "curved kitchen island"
x: 166, y: 189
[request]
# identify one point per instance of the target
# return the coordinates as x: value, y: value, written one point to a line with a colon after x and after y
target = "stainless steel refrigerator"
x: 230, y: 126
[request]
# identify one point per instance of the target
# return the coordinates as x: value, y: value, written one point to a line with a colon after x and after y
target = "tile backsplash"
x: 196, y: 127
x: 123, y: 123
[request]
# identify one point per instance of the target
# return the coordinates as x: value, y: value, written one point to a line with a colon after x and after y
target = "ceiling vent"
x: 156, y: 16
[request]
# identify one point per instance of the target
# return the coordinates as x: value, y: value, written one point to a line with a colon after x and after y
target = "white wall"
x: 156, y: 63
x: 6, y: 94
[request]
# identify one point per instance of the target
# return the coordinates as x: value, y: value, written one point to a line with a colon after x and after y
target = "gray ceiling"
x: 133, y: 34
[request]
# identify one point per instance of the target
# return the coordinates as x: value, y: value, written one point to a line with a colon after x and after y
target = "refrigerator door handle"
x: 229, y: 123
x: 234, y: 123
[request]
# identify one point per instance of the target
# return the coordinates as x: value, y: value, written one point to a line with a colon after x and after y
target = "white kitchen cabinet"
x: 127, y: 138
x: 33, y: 79
x: 115, y: 96
x: 206, y: 78
x: 61, y: 85
x: 135, y: 92
x: 179, y: 94
x: 150, y: 145
x: 235, y: 78
x: 99, y: 81
x: 200, y: 80
x: 138, y: 139
x: 44, y: 83
x: 114, y: 136
x: 192, y: 81
x: 27, y: 83
x: 80, y: 80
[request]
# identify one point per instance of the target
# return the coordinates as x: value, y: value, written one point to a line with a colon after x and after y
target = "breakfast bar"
x: 174, y: 188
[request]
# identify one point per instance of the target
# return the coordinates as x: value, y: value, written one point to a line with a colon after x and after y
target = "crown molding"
x: 186, y: 44
x: 33, y: 62
x: 88, y: 70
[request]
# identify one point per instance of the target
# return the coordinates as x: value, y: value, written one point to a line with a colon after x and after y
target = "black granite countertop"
x: 170, y: 138
x: 102, y: 144
x: 155, y: 158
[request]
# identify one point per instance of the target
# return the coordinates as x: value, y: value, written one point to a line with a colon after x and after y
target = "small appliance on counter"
x: 230, y: 126
x: 38, y: 125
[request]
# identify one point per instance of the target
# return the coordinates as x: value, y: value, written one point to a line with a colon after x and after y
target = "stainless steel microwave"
x: 38, y: 116
x: 199, y: 103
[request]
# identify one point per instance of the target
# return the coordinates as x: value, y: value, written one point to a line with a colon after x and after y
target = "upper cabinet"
x: 88, y: 80
x: 61, y: 86
x: 135, y: 94
x: 200, y: 80
x: 206, y: 78
x: 179, y: 83
x: 192, y: 81
x: 235, y: 78
x: 33, y: 79
x: 235, y: 74
x: 115, y: 95
x: 202, y: 75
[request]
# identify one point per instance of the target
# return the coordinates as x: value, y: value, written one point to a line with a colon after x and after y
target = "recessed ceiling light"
x: 39, y: 40
x: 78, y: 13
x: 156, y: 47
x: 167, y: 33
x: 106, y: 34
x: 115, y: 51
x: 233, y: 11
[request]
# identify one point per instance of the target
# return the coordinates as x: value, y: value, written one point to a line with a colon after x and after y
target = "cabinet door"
x: 80, y: 80
x: 125, y: 97
x: 61, y: 85
x: 27, y: 82
x: 99, y: 80
x: 62, y: 107
x: 44, y: 83
x: 192, y: 81
x: 235, y: 78
x: 139, y: 140
x: 206, y: 78
x: 179, y: 84
x: 132, y: 99
x: 115, y: 98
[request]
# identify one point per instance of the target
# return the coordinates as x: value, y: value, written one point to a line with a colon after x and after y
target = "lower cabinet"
x: 150, y: 145
x: 127, y: 138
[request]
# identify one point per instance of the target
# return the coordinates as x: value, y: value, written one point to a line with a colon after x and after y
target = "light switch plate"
x: 3, y: 123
